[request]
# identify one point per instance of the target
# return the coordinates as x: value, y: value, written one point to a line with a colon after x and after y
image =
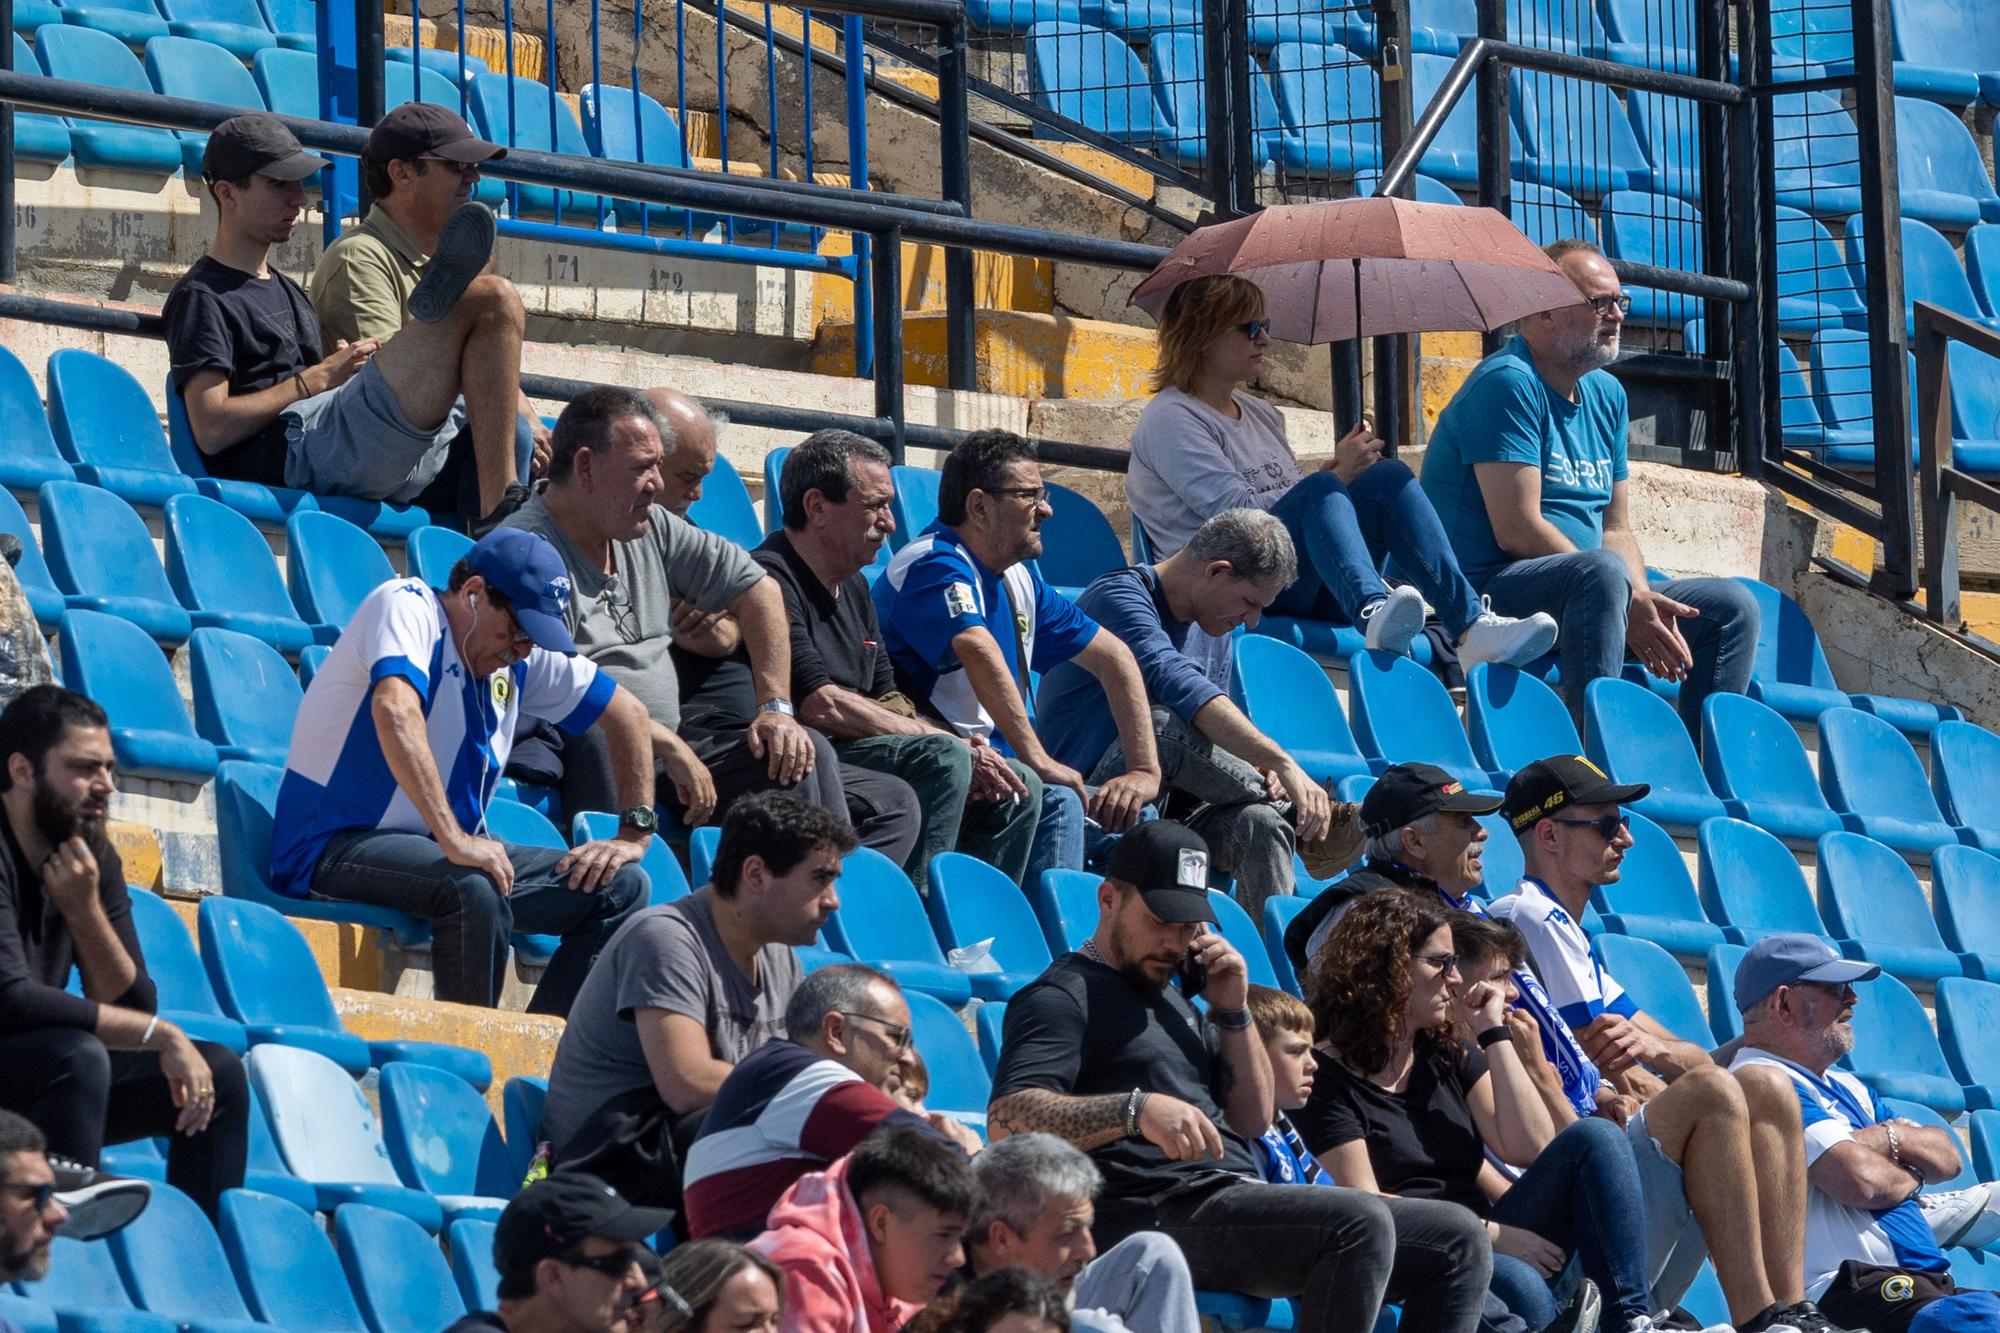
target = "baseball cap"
x: 257, y: 144
x: 526, y: 570
x: 1547, y: 785
x: 1168, y: 864
x: 416, y: 128
x: 1407, y: 792
x: 1786, y: 959
x: 559, y: 1212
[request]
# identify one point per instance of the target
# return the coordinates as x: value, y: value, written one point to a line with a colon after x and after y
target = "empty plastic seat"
x: 83, y: 1284
x: 114, y: 663
x: 1291, y: 700
x: 1066, y: 903
x: 289, y: 1272
x: 1815, y: 288
x: 129, y: 22
x: 1968, y: 1014
x: 200, y: 70
x: 1575, y: 137
x: 398, y: 1274
x: 470, y: 1242
x: 1816, y: 154
x: 1513, y: 719
x: 104, y: 423
x: 1931, y: 270
x: 664, y: 873
x: 1669, y: 133
x: 1091, y: 76
x: 1174, y: 61
x: 521, y: 113
x: 1723, y: 1016
x: 1751, y: 884
x: 254, y: 500
x: 960, y: 1085
x: 222, y: 570
x: 1279, y: 909
x: 442, y: 1139
x: 1403, y: 714
x: 1654, y: 899
x: 990, y: 1020
x: 971, y: 903
x: 31, y: 571
x: 1657, y: 983
x: 38, y: 137
x: 173, y: 1265
x: 521, y: 1107
x: 289, y: 80
x: 1877, y: 783
x: 1946, y: 50
x: 331, y: 567
x: 431, y: 551
x: 1965, y: 899
x: 725, y: 508
x: 1874, y: 907
x: 31, y: 456
x: 1234, y: 924
x: 185, y: 996
x: 264, y: 974
x: 1896, y: 1053
x: 1660, y: 230
x: 1328, y: 104
x: 1453, y: 156
x: 516, y: 822
x: 67, y: 52
x: 1755, y: 761
x: 1941, y: 172
x: 237, y: 26
x: 648, y: 133
x: 1077, y: 542
x: 1965, y: 776
x: 1982, y: 266
x: 1791, y: 673
x: 916, y: 501
x: 245, y: 697
x: 101, y: 556
x: 295, y: 21
x: 1547, y: 215
x: 1440, y: 27
x: 458, y: 66
x: 881, y: 920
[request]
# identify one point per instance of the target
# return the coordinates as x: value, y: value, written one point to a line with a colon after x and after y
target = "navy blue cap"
x: 1787, y: 959
x: 522, y: 567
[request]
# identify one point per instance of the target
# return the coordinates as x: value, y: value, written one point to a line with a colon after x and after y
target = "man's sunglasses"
x: 1607, y: 826
x: 40, y: 1195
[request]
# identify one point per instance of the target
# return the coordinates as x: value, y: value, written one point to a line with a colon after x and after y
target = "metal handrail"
x: 1940, y: 484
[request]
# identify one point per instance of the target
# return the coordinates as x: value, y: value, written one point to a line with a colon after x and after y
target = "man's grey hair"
x: 831, y: 990
x: 1389, y: 846
x: 823, y: 462
x: 1023, y: 1176
x: 1254, y: 543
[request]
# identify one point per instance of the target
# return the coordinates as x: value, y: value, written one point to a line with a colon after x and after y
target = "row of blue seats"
x: 242, y: 26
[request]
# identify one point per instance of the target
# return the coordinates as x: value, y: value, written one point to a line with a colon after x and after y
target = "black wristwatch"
x: 640, y: 817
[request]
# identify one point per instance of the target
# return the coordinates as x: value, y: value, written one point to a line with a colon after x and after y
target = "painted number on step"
x: 124, y: 226
x: 24, y: 217
x: 562, y: 267
x: 667, y: 280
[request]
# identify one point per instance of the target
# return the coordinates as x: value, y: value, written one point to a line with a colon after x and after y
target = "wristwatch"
x: 640, y: 817
x: 780, y: 706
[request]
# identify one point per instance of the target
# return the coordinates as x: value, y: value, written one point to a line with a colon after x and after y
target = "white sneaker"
x: 1395, y: 620
x: 1968, y: 1217
x: 1497, y: 638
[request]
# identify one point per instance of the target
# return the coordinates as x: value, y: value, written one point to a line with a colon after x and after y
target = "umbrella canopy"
x: 1347, y: 267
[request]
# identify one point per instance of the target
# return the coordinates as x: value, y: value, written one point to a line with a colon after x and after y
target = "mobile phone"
x: 1192, y: 974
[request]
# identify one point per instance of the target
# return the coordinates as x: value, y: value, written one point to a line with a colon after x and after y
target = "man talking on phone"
x: 1105, y: 1050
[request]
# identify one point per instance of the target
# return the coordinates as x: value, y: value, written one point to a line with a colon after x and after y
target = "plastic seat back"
x: 1950, y: 33
x: 668, y: 880
x: 1929, y: 1119
x: 396, y: 1270
x: 31, y: 456
x: 431, y: 551
x: 1750, y: 753
x: 38, y: 137
x: 1326, y: 98
x: 1077, y: 541
x: 915, y: 506
x: 519, y: 113
x: 1548, y: 215
x: 1931, y: 270
x: 1870, y: 894
x: 1866, y: 766
x: 405, y: 81
x: 296, y: 17
x: 1576, y: 132
x: 171, y: 959
x: 245, y: 696
x: 1403, y: 713
x: 1669, y: 133
x: 1937, y: 155
x: 1453, y: 156
x: 521, y: 1103
x: 102, y: 417
x: 85, y: 1275
x: 1723, y: 1017
x: 173, y: 1263
x: 1815, y: 152
x: 626, y: 127
x: 516, y: 822
x: 1893, y: 1036
x: 1965, y: 898
x: 319, y: 1116
x: 261, y: 967
x: 199, y: 70
x: 774, y: 516
x: 470, y: 1241
x: 1091, y: 76
x: 1066, y: 902
x: 959, y: 1082
x: 1752, y: 882
x: 1788, y: 647
x: 1653, y: 881
x: 880, y: 915
x: 1174, y: 61
x: 1657, y: 983
x: 1291, y: 701
x: 331, y: 567
x: 1810, y: 266
x: 289, y: 81
x: 440, y: 1134
x: 1234, y: 924
x: 702, y: 844
x: 970, y: 902
x: 32, y: 571
x: 1968, y: 1014
x: 725, y: 508
x: 98, y: 547
x: 1513, y: 719
x: 115, y: 663
x: 1501, y: 862
x: 1982, y: 265
x: 286, y: 1264
x: 69, y: 51
x: 218, y: 561
x: 1965, y: 773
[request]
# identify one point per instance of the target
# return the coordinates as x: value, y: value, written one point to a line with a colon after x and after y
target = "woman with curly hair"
x: 1011, y: 1300
x: 718, y: 1286
x: 1399, y: 1106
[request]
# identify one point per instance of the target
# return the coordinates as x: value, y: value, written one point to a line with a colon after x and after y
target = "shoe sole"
x: 462, y: 251
x: 1400, y: 620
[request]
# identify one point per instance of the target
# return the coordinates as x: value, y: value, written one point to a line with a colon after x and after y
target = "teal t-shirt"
x: 1505, y: 412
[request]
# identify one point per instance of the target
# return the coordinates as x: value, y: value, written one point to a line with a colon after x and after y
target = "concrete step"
x: 1021, y: 353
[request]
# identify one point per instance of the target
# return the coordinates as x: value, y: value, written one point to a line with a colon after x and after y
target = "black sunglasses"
x: 41, y: 1195
x: 1607, y: 826
x: 615, y: 1264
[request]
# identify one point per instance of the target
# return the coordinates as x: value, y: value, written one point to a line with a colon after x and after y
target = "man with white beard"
x: 1527, y: 470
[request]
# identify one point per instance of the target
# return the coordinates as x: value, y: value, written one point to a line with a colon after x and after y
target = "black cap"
x: 559, y: 1212
x: 1547, y: 785
x: 257, y: 144
x: 1168, y: 864
x: 416, y: 128
x: 1408, y: 792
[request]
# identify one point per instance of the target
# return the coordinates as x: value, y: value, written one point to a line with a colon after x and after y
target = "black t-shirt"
x: 36, y: 951
x: 1422, y: 1141
x: 258, y: 332
x: 1082, y: 1028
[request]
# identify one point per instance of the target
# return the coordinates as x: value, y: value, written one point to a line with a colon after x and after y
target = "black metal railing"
x: 1942, y: 485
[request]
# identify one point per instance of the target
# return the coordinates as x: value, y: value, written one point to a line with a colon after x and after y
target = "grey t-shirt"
x: 626, y: 626
x: 1190, y: 462
x: 669, y: 958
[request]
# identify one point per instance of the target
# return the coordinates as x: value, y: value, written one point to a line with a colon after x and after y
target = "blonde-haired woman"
x: 1203, y: 445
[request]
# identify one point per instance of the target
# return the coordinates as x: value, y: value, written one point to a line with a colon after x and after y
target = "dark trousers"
x: 82, y: 1096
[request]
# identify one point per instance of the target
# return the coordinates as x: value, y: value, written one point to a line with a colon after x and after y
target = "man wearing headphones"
x: 398, y: 746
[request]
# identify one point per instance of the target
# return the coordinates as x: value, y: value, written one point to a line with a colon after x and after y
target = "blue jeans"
x: 1589, y: 593
x: 1583, y: 1194
x: 1344, y: 533
x: 1058, y: 843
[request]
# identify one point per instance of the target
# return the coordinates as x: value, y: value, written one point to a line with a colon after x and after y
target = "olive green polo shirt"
x: 361, y: 288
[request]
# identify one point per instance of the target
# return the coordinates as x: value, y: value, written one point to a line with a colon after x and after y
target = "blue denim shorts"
x: 355, y: 440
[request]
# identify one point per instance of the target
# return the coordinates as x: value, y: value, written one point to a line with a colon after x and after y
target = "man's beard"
x: 30, y: 1265
x: 59, y: 823
x: 1594, y: 352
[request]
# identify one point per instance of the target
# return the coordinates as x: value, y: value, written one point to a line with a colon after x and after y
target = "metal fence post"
x: 1940, y: 505
x: 1495, y: 189
x: 1237, y: 128
x: 888, y: 283
x: 1396, y: 354
x: 853, y: 44
x: 1743, y: 176
x: 7, y: 258
x: 955, y: 132
x: 1215, y: 61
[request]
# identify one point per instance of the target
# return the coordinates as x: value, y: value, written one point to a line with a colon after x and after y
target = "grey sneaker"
x: 98, y: 1204
x: 1394, y: 621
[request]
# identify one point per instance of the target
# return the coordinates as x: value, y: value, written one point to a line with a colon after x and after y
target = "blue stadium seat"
x: 970, y: 902
x: 534, y: 109
x: 32, y: 572
x: 38, y: 137
x: 1751, y: 884
x: 442, y: 1139
x: 101, y: 556
x: 398, y: 1274
x: 431, y: 551
x: 84, y: 1289
x: 1066, y: 903
x: 130, y: 22
x: 1013, y: 18
x: 1975, y: 410
x: 774, y: 517
x: 1946, y: 51
x: 1756, y: 763
x: 1965, y: 776
x: 1895, y: 1051
x: 185, y: 996
x: 521, y: 1107
x: 881, y: 922
x: 1234, y: 924
x: 1791, y: 672
x: 246, y: 799
x: 458, y: 66
x: 286, y: 1265
x: 1077, y: 542
x: 266, y: 1170
x: 330, y: 568
x: 114, y: 663
x: 325, y: 1128
x: 1925, y: 1116
x: 1402, y: 714
x: 67, y: 52
x: 1657, y: 983
x: 1328, y: 103
x: 237, y: 26
x: 1279, y: 909
x: 1513, y: 719
x: 1965, y: 899
x: 652, y: 136
x: 288, y: 79
x: 916, y: 502
x: 1091, y: 76
x: 991, y: 1020
x: 264, y: 974
x: 1874, y: 908
x: 517, y: 822
x: 1547, y: 215
x: 1661, y: 230
x: 1815, y: 289
x: 1982, y: 266
x: 1501, y: 860
x: 295, y: 21
x: 725, y: 508
x: 664, y: 873
x: 1985, y: 1147
x: 1174, y: 62
x: 1723, y: 1017
x: 470, y: 1242
x: 1453, y: 156
x: 1669, y: 133
x: 310, y: 661
x: 1968, y: 1014
x: 702, y: 843
x: 1575, y: 137
x: 1440, y: 27
x: 1815, y: 155
x: 105, y: 425
x: 31, y: 456
x: 259, y: 503
x: 1940, y: 170
x: 1289, y: 697
x: 198, y: 69
x: 1877, y: 783
x: 960, y: 1085
x: 1654, y: 899
x: 223, y: 571
x: 1931, y: 270
x: 173, y: 1265
x: 1842, y: 368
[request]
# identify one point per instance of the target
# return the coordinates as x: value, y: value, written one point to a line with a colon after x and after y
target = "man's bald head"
x: 690, y: 450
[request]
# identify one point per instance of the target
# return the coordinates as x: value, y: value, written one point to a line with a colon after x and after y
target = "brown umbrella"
x: 1336, y: 270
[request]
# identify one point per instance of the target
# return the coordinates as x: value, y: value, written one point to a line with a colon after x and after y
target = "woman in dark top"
x: 1400, y: 1107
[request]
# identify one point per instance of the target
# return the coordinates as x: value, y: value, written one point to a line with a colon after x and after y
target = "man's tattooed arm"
x: 1087, y: 1122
